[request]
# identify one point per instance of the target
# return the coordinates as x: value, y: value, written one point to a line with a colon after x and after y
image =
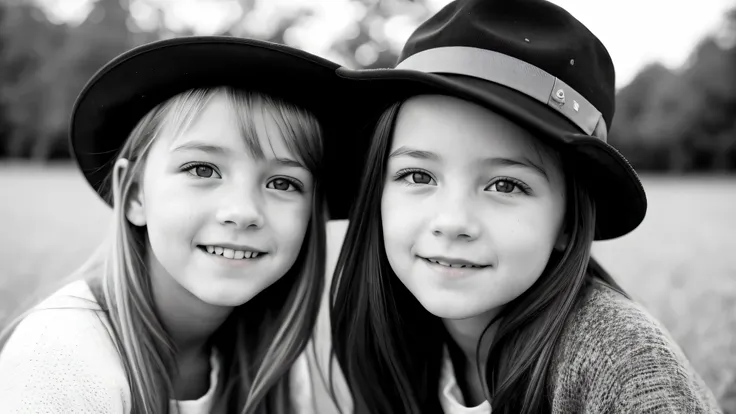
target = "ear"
x: 133, y: 207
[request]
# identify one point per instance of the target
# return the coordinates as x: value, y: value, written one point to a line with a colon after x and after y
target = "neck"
x: 467, y: 332
x: 189, y: 321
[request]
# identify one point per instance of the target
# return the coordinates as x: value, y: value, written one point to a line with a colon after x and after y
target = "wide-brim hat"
x: 128, y: 87
x: 534, y: 63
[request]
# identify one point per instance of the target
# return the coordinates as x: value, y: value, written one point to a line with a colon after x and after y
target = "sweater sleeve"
x: 615, y: 358
x: 62, y: 361
x: 655, y: 378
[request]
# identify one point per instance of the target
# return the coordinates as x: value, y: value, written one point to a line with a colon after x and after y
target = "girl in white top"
x: 206, y: 292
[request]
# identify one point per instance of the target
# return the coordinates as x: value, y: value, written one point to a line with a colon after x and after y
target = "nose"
x: 241, y: 209
x: 456, y: 220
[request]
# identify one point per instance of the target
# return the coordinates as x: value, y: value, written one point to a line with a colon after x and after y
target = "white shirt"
x: 62, y: 359
x: 204, y: 403
x: 451, y: 397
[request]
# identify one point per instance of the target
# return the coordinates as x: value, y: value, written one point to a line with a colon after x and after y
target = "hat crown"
x: 534, y: 31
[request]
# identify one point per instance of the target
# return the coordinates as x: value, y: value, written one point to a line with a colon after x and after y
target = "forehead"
x: 444, y: 124
x: 217, y: 120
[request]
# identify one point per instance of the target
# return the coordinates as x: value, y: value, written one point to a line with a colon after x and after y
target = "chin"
x: 224, y: 295
x: 226, y: 301
x: 450, y: 309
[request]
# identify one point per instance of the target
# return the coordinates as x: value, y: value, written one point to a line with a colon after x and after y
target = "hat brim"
x: 131, y: 85
x: 617, y: 191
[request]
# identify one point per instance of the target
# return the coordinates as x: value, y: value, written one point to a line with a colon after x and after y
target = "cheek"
x: 525, y: 242
x: 169, y: 207
x: 526, y: 235
x: 399, y: 221
x: 289, y: 221
x: 172, y: 228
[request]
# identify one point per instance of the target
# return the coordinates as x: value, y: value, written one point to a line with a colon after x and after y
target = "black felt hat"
x: 132, y: 84
x: 534, y: 63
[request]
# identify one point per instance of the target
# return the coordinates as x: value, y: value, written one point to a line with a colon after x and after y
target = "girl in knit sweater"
x: 207, y: 290
x: 465, y: 282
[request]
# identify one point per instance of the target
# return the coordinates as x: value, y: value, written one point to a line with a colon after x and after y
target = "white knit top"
x: 62, y: 359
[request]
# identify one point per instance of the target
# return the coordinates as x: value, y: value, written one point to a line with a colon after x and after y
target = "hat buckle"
x: 559, y: 96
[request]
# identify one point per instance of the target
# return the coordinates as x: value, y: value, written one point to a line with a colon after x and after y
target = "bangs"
x: 299, y: 129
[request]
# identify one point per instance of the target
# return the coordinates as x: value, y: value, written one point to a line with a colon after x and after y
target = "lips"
x: 453, y: 262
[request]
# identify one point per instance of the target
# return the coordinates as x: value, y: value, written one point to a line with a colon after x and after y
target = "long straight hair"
x: 390, y: 348
x: 260, y: 339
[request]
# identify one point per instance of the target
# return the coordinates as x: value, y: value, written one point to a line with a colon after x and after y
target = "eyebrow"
x: 288, y: 162
x: 198, y: 146
x: 414, y: 153
x: 494, y: 161
x: 216, y: 149
x: 520, y: 162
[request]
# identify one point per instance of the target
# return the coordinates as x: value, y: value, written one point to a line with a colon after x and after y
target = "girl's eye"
x: 282, y: 184
x: 506, y: 186
x: 203, y: 171
x: 421, y: 178
x: 415, y: 177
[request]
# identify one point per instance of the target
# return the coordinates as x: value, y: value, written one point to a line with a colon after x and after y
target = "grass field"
x: 680, y: 263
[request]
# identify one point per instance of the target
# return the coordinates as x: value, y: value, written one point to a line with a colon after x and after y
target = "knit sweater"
x: 612, y: 357
x: 61, y: 359
x: 615, y: 357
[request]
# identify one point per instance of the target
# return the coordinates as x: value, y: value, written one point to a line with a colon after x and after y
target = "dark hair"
x: 390, y: 348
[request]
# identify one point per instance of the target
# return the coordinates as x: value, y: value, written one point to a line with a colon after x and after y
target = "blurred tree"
x: 276, y: 29
x: 370, y: 46
x: 4, y: 130
x: 679, y: 120
x: 28, y: 41
x: 364, y: 43
x: 713, y: 74
x: 48, y: 65
x: 633, y: 103
x: 683, y: 120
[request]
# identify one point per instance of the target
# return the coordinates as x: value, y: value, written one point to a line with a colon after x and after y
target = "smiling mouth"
x: 453, y: 265
x: 231, y: 253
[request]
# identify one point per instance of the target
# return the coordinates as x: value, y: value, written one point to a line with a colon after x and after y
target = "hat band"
x: 513, y: 73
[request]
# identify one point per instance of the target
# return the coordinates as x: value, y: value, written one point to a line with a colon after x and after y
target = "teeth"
x: 441, y: 263
x: 231, y: 253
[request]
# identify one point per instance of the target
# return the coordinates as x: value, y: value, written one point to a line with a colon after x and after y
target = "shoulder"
x: 300, y: 385
x: 607, y: 320
x: 62, y: 356
x: 619, y: 357
x: 314, y: 389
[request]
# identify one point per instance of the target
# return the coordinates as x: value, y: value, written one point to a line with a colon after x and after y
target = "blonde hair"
x: 260, y: 339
